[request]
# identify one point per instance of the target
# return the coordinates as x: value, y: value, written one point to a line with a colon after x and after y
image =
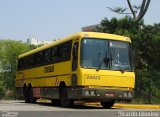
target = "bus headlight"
x: 86, y: 93
x: 125, y: 95
x: 130, y: 95
x: 92, y: 93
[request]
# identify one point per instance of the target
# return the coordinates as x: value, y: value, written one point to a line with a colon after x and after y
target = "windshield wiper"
x: 105, y: 60
x: 99, y: 64
x: 120, y: 69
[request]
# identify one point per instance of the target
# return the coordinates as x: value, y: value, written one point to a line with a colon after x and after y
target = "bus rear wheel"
x: 25, y: 94
x: 63, y: 96
x: 56, y: 102
x: 107, y: 104
x: 31, y: 98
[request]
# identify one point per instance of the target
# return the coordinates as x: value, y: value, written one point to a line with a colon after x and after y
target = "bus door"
x: 74, y: 62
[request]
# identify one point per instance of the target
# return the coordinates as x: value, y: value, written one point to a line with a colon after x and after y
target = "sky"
x: 48, y: 20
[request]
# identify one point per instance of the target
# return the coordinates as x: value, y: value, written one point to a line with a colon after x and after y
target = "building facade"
x: 35, y: 41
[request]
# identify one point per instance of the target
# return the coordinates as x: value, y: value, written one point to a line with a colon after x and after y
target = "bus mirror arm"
x: 75, y: 52
x: 105, y: 60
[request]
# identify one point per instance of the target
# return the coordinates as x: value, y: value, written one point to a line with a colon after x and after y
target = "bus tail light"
x: 131, y: 89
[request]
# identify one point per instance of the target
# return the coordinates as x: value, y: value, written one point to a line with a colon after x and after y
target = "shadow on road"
x: 76, y: 106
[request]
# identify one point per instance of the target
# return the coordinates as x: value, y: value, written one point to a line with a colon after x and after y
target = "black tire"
x: 26, y: 94
x: 56, y: 102
x: 31, y: 98
x: 63, y: 96
x: 107, y: 104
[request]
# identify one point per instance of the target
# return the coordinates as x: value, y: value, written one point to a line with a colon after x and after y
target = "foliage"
x: 2, y: 89
x: 125, y: 26
x: 148, y: 86
x: 9, y: 51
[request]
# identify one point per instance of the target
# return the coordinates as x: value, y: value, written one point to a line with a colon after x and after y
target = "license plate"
x: 110, y: 94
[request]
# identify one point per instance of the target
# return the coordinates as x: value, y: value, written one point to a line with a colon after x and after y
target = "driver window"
x: 75, y: 56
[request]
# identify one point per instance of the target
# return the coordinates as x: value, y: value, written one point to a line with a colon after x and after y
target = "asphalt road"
x: 46, y: 109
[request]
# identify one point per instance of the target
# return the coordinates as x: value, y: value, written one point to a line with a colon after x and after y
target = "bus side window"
x: 20, y: 64
x: 31, y: 60
x: 54, y: 54
x: 39, y: 58
x: 65, y: 51
x: 75, y: 56
x: 26, y: 62
x: 47, y: 56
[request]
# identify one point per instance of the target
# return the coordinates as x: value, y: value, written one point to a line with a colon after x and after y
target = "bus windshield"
x: 106, y: 54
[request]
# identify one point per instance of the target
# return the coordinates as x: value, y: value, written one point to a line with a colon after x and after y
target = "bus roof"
x: 78, y: 35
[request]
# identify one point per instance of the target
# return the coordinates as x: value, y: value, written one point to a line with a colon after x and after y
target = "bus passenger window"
x: 47, y: 56
x: 54, y: 54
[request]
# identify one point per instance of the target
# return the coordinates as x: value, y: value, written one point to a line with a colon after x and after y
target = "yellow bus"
x: 86, y: 66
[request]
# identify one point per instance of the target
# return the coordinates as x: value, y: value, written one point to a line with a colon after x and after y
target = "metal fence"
x: 147, y: 86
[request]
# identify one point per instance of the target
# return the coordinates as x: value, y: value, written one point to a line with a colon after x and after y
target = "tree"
x: 9, y: 51
x: 137, y: 16
x: 2, y: 89
x: 151, y: 34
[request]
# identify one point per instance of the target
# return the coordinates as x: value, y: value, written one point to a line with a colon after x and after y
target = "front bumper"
x: 92, y: 94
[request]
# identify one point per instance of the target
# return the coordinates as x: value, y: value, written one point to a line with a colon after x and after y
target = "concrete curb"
x: 133, y: 106
x: 137, y: 106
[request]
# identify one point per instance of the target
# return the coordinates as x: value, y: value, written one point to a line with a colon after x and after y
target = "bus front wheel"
x: 107, y: 104
x: 63, y: 96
